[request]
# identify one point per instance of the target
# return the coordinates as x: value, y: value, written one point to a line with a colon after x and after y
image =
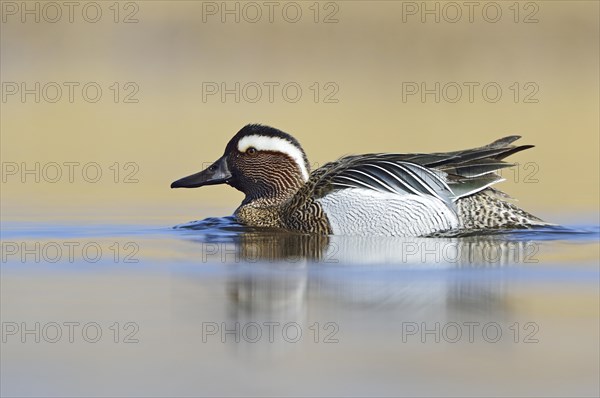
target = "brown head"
x: 260, y: 161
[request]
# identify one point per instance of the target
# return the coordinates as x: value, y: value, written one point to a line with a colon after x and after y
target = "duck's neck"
x: 265, y: 210
x: 268, y: 198
x: 272, y: 191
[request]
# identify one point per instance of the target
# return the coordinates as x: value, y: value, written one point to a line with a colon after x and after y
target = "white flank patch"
x: 276, y: 144
x: 358, y: 211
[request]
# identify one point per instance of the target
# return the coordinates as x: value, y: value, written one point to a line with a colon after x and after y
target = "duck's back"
x: 409, y: 194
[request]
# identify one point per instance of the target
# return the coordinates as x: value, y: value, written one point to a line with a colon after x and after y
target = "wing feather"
x: 448, y: 176
x: 400, y: 177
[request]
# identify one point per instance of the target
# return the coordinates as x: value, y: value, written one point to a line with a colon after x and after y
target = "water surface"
x: 215, y: 308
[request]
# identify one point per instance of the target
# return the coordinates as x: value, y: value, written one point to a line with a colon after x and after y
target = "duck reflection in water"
x: 229, y: 241
x: 406, y: 272
x: 286, y: 277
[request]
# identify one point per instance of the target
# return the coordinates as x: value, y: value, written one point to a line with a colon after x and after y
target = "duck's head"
x: 260, y: 161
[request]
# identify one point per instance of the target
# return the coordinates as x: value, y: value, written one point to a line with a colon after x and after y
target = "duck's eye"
x: 212, y: 168
x: 251, y: 151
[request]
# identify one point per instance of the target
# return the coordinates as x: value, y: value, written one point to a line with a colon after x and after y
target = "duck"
x: 379, y: 194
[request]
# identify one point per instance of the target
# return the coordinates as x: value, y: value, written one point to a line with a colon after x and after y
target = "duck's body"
x: 372, y: 194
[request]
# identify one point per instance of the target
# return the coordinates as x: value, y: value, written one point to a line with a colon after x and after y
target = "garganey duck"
x: 373, y: 194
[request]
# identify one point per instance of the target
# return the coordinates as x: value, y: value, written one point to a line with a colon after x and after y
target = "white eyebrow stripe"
x: 277, y: 144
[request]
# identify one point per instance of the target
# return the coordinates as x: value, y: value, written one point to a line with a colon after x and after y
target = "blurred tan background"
x: 367, y: 55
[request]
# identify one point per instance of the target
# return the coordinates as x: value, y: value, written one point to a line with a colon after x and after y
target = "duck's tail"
x: 490, y: 209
